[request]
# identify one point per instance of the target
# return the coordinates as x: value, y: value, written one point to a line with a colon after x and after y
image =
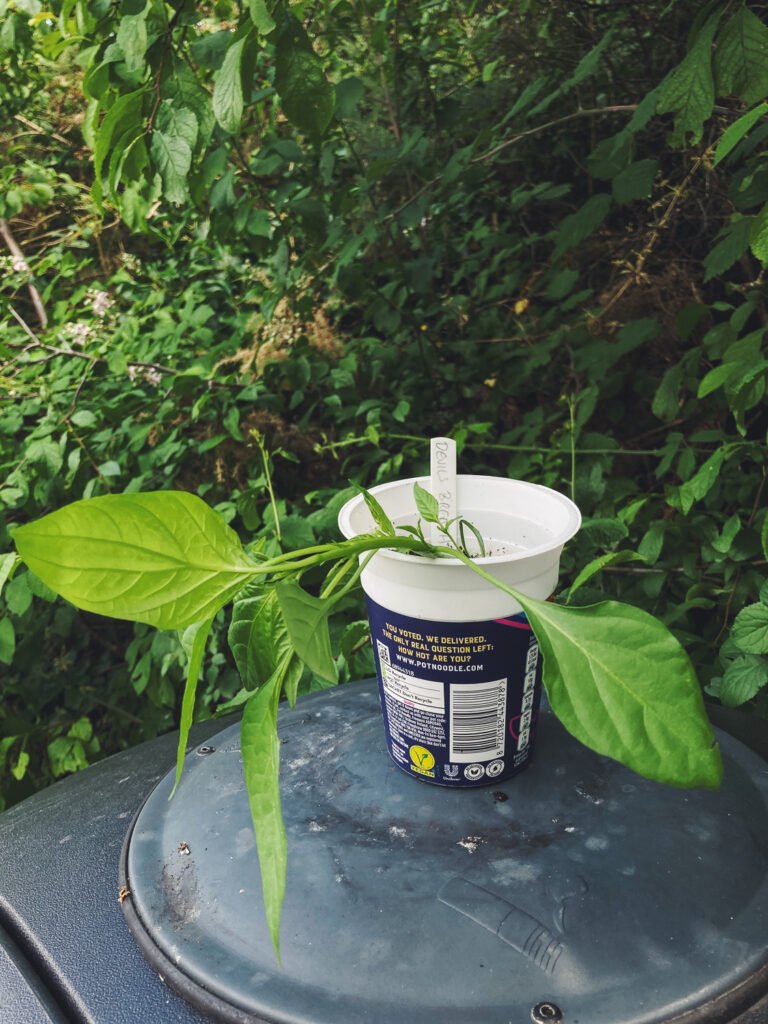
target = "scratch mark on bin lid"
x: 509, y: 923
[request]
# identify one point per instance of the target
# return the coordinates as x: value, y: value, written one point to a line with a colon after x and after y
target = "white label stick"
x: 442, y: 452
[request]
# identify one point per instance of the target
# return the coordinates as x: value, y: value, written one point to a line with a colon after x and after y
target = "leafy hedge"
x: 256, y: 254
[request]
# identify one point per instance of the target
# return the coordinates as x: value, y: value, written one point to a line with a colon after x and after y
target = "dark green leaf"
x: 306, y: 619
x: 7, y: 640
x: 743, y: 678
x: 731, y: 246
x: 741, y: 57
x: 306, y: 95
x: 164, y: 557
x: 689, y: 91
x: 758, y: 237
x: 228, y: 89
x: 750, y: 629
x: 635, y: 181
x: 574, y: 228
x: 597, y: 564
x: 735, y: 132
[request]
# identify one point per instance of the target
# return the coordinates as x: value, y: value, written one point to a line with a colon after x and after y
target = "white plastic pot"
x: 457, y: 662
x: 529, y: 522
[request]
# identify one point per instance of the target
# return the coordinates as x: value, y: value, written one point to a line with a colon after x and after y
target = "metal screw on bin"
x: 546, y: 1013
x: 206, y: 750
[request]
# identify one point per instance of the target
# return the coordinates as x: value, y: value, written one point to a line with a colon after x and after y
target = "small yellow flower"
x: 520, y: 306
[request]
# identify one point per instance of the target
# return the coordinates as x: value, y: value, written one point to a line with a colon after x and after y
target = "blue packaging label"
x: 459, y: 699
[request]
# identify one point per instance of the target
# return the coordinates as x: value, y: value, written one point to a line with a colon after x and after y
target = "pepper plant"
x: 614, y: 675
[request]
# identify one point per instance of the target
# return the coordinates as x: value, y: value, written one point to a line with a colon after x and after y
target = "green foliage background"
x: 258, y: 253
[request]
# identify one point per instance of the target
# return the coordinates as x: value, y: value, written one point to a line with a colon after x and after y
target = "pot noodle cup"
x: 458, y: 665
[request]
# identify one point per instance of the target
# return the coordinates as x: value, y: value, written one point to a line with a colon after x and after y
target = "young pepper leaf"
x: 260, y: 747
x: 164, y: 557
x: 193, y: 641
x: 306, y: 619
x: 621, y: 683
x: 259, y: 640
x: 380, y: 517
x: 426, y: 504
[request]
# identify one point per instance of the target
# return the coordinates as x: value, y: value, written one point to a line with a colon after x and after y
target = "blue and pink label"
x: 459, y: 699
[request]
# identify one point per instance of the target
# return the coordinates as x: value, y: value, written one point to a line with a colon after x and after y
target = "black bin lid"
x: 575, y: 888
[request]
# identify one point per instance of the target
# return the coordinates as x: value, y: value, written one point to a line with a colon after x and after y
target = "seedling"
x: 615, y: 676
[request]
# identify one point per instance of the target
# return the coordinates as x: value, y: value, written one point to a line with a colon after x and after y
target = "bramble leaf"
x: 750, y: 629
x: 689, y: 91
x: 742, y: 679
x: 741, y: 58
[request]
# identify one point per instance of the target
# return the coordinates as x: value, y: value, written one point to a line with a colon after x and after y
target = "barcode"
x: 478, y: 717
x: 383, y: 652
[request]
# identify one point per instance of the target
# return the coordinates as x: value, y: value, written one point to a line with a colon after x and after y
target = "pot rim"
x: 553, y: 544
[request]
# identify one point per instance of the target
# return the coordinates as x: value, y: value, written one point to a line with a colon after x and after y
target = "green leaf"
x: 635, y: 181
x: 426, y: 504
x: 258, y: 636
x: 306, y: 96
x: 597, y: 564
x: 758, y: 236
x: 228, y: 89
x: 18, y: 596
x: 621, y: 683
x: 716, y: 377
x: 699, y: 485
x: 731, y: 246
x: 261, y: 17
x: 380, y: 517
x: 132, y: 39
x: 260, y: 747
x: 124, y: 113
x: 689, y: 91
x: 735, y: 132
x: 743, y: 678
x: 650, y: 546
x: 741, y: 57
x: 193, y: 641
x: 164, y: 558
x: 8, y: 565
x: 750, y: 629
x: 7, y: 640
x: 605, y: 682
x: 306, y: 619
x: 577, y: 226
x: 173, y: 158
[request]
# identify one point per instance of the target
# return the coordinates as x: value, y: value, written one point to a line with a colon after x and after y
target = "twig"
x: 42, y: 131
x: 21, y: 265
x: 83, y: 379
x: 37, y: 343
x: 593, y: 112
